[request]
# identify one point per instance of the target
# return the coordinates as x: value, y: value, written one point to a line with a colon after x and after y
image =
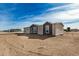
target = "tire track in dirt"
x: 19, y: 50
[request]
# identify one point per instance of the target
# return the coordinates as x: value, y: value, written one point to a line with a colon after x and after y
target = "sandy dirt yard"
x: 13, y: 44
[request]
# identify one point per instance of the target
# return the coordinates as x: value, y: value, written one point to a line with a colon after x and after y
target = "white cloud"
x: 73, y: 26
x: 65, y: 7
x: 70, y: 14
x: 67, y: 15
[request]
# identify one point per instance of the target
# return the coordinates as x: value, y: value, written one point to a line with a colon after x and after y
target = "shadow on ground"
x: 34, y: 36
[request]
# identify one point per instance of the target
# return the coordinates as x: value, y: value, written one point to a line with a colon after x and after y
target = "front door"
x: 47, y: 30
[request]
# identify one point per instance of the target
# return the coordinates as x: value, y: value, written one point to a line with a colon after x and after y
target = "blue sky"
x: 20, y: 15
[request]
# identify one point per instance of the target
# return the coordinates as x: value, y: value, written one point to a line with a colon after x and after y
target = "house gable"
x: 33, y: 29
x: 47, y: 28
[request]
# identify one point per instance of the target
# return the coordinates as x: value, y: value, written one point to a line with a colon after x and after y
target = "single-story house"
x: 46, y: 29
x: 15, y: 30
x: 27, y: 30
x: 34, y: 29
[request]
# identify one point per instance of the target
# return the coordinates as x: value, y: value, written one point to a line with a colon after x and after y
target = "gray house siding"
x: 27, y: 30
x: 40, y: 29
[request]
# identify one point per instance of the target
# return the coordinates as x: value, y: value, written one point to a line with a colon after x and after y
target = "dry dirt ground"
x: 13, y: 44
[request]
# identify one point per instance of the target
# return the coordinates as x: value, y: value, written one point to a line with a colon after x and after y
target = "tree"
x: 68, y: 29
